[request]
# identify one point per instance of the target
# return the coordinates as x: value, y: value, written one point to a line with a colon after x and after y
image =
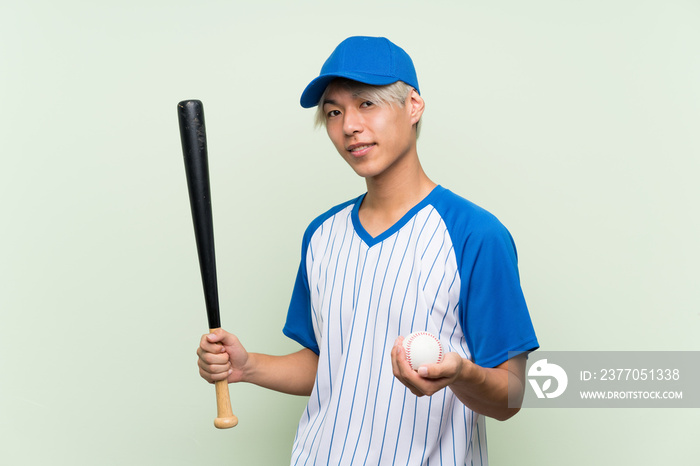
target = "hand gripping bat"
x: 194, y: 148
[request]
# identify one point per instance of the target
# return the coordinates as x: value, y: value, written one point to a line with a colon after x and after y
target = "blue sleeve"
x: 495, y: 317
x: 493, y: 313
x: 298, y: 326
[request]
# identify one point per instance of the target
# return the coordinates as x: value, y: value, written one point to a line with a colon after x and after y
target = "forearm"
x: 486, y: 390
x: 293, y: 373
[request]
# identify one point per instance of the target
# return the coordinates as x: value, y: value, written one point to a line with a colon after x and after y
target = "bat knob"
x: 225, y: 422
x: 225, y: 419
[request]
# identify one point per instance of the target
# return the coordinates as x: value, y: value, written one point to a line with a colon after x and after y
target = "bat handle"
x: 225, y: 419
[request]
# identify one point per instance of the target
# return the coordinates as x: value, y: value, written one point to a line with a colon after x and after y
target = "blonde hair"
x: 390, y: 94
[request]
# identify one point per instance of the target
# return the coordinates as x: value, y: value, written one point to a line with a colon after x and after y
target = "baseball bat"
x: 194, y: 149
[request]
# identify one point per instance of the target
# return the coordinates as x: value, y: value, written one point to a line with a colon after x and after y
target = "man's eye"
x: 367, y: 104
x: 333, y: 113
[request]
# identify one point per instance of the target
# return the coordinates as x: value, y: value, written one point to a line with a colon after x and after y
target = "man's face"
x: 374, y: 139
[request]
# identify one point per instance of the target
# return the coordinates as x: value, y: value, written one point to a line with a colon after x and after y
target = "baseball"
x: 422, y: 348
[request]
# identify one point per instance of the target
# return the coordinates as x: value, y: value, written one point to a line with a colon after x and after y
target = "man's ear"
x: 416, y: 105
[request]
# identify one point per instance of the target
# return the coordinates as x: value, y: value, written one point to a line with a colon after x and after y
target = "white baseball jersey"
x: 447, y: 267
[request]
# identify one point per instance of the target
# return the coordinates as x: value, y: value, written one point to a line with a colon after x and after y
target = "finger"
x: 394, y: 360
x: 210, y: 346
x: 402, y: 370
x: 213, y: 377
x: 424, y: 385
x: 213, y: 337
x: 212, y: 358
x: 414, y: 388
x: 217, y: 364
x: 205, y: 375
x: 220, y: 335
x: 213, y: 364
x: 214, y: 370
x: 448, y: 369
x: 434, y: 371
x: 400, y: 366
x: 395, y: 356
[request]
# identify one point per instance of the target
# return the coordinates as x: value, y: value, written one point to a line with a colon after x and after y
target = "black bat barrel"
x: 194, y: 148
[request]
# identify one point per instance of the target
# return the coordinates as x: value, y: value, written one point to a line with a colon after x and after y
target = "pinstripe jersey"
x: 447, y: 267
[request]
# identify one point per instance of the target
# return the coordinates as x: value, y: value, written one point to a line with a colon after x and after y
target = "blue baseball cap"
x: 370, y: 60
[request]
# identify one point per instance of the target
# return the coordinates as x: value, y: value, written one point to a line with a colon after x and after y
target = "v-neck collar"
x: 370, y: 240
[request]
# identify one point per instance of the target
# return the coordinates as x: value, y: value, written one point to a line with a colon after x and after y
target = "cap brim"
x: 313, y: 92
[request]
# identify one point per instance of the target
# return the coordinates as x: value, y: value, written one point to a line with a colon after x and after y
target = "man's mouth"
x: 359, y: 150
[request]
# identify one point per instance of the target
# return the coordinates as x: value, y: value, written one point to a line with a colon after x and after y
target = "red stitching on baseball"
x: 415, y: 335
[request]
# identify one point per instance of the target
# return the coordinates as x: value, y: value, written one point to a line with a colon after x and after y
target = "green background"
x: 576, y: 123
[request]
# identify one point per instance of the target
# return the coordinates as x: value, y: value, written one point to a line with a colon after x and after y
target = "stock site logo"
x: 542, y: 370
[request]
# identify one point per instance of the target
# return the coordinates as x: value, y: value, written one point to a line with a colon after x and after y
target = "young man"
x: 408, y: 255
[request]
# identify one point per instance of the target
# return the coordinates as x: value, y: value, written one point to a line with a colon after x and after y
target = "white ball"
x: 422, y: 348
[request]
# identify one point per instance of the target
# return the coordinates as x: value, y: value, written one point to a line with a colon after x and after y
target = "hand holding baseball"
x: 221, y: 357
x: 429, y: 378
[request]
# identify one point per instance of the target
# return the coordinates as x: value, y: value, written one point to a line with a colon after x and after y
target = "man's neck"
x: 388, y: 199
